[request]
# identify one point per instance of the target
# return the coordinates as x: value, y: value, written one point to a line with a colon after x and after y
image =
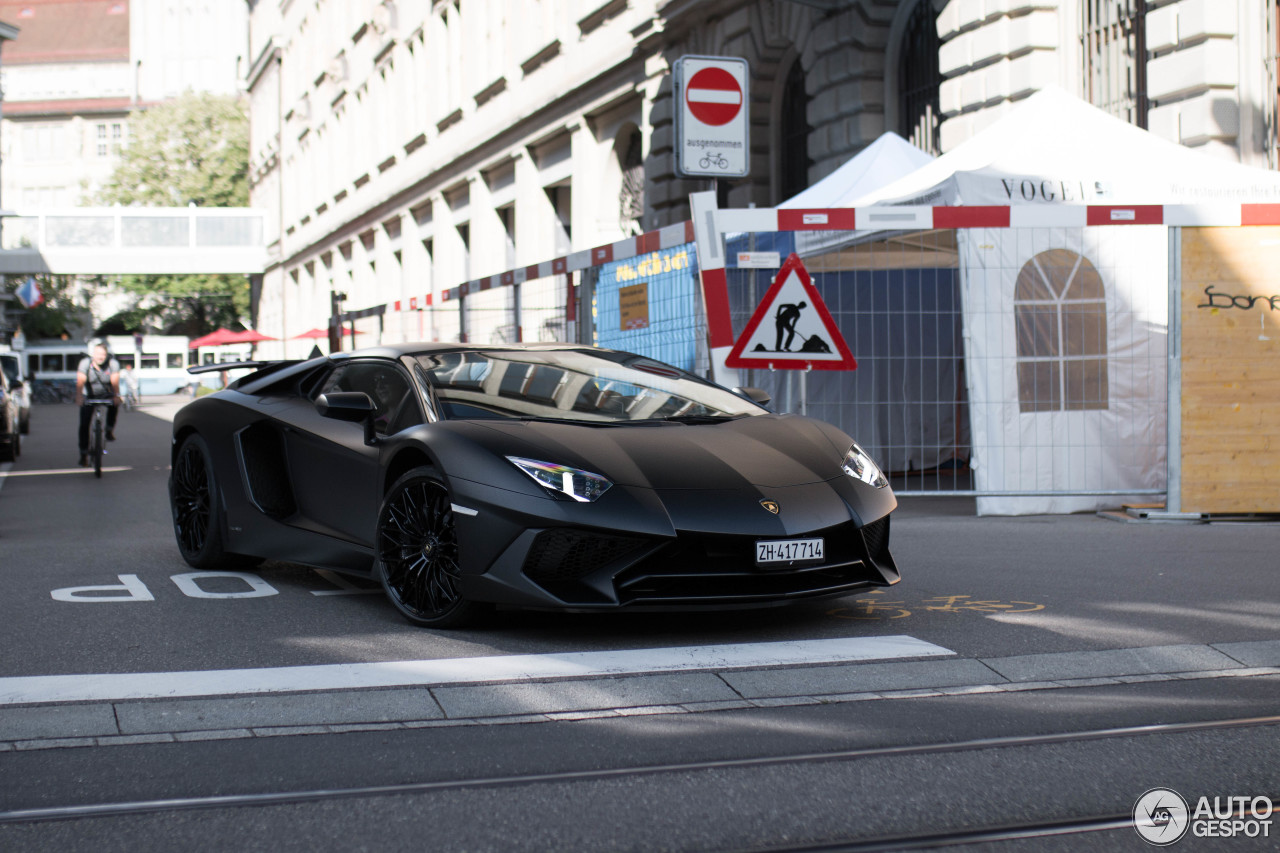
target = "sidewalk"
x: 443, y: 702
x: 163, y: 406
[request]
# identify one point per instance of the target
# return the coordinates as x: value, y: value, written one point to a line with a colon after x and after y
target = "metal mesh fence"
x: 650, y: 305
x: 489, y: 317
x: 1006, y: 363
x: 543, y: 314
x: 897, y: 305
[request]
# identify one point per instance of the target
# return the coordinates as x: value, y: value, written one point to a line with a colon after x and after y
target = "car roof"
x: 431, y: 347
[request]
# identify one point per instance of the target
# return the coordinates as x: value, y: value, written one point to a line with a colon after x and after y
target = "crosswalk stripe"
x: 106, y: 687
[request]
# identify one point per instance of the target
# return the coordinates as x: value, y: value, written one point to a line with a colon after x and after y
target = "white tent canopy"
x: 1055, y: 149
x: 882, y: 162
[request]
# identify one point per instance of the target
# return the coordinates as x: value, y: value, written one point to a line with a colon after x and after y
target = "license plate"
x: 788, y: 550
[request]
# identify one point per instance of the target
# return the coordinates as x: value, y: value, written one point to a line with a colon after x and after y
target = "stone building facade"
x: 407, y: 146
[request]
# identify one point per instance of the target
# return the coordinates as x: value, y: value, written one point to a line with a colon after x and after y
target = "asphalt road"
x: 807, y: 774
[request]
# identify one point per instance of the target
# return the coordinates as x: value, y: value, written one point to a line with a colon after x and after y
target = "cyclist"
x: 97, y: 377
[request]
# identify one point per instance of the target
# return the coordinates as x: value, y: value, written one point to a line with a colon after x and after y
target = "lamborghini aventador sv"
x: 546, y: 476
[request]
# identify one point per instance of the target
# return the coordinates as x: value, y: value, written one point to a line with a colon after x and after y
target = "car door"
x: 336, y: 476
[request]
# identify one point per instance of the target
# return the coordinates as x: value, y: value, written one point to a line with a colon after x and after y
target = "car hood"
x: 765, y: 450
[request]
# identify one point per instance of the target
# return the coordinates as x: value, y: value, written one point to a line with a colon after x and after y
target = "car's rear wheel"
x: 417, y: 552
x: 197, y: 508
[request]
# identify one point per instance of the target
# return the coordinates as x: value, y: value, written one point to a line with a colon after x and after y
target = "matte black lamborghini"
x: 549, y: 476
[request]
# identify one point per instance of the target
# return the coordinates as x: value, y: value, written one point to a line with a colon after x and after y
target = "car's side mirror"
x: 16, y: 385
x: 755, y: 395
x: 353, y: 406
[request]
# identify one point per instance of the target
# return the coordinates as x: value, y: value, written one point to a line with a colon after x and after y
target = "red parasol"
x: 214, y: 338
x: 248, y: 336
x: 321, y: 333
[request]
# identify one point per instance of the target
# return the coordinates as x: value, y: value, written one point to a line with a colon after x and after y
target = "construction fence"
x: 1022, y: 356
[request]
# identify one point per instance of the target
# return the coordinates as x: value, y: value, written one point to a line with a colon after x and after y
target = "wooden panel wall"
x: 1231, y: 370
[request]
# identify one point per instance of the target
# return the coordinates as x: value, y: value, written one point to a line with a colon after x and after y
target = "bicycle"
x: 98, y: 432
x: 129, y: 400
x: 714, y: 158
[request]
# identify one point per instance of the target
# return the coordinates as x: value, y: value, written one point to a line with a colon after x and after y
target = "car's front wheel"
x: 417, y: 552
x: 197, y: 510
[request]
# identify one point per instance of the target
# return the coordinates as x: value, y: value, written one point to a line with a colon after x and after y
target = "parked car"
x: 542, y: 475
x: 10, y: 431
x: 11, y: 366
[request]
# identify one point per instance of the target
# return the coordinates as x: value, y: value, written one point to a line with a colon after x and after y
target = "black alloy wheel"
x: 417, y: 552
x: 194, y: 499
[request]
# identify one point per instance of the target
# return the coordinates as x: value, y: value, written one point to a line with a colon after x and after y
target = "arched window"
x: 919, y: 79
x: 793, y: 148
x: 1061, y: 313
x: 630, y: 151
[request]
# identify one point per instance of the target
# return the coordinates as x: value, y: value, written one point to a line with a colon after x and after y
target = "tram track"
x: 296, y: 797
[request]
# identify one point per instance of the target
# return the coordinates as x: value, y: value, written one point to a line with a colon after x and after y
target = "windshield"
x: 577, y: 385
x: 10, y: 366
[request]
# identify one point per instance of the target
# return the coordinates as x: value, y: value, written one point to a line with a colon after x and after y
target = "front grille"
x: 562, y: 561
x: 710, y: 569
x: 876, y: 535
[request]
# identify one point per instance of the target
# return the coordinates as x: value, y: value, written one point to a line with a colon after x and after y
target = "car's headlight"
x: 573, y: 483
x: 858, y: 465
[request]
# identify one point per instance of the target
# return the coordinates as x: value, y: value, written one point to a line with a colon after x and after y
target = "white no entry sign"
x: 714, y: 96
x: 711, y: 117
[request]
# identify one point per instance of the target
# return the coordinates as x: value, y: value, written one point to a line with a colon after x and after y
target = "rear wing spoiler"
x: 238, y: 365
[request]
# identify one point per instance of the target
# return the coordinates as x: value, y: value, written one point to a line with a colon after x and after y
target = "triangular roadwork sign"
x: 792, y: 329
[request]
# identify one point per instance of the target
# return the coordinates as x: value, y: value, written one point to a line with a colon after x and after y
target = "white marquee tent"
x: 1054, y: 149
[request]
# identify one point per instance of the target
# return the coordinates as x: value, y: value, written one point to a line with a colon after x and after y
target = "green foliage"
x: 191, y: 150
x: 58, y: 314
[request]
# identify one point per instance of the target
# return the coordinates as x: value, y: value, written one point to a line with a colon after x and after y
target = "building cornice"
x: 619, y: 83
x: 270, y: 51
x: 69, y: 107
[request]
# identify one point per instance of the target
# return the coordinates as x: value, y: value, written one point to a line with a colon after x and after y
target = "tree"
x: 60, y: 314
x: 191, y: 150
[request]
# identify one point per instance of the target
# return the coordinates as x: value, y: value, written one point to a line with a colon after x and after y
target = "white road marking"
x: 108, y: 687
x: 41, y: 473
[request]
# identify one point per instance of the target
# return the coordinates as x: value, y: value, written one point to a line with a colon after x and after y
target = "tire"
x: 196, y: 504
x: 97, y: 442
x: 416, y: 552
x: 10, y: 452
x: 25, y: 428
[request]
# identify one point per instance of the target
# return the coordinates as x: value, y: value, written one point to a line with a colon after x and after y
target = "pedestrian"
x: 129, y: 382
x: 97, y: 378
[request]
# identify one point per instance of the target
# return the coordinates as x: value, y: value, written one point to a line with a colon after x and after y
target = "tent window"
x: 1060, y: 309
x: 920, y: 80
x: 1113, y: 42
